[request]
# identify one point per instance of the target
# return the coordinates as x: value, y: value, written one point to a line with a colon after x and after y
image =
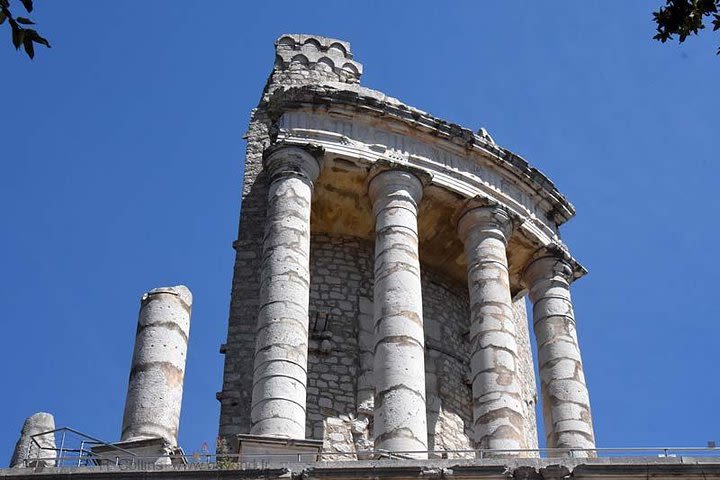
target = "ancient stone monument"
x: 383, y: 260
x: 378, y: 324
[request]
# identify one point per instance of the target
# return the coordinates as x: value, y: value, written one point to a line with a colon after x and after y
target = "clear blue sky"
x: 122, y: 161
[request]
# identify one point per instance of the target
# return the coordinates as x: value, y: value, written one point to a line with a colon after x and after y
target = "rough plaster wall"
x: 449, y: 407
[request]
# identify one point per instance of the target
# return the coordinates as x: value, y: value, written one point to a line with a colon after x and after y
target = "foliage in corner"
x: 22, y: 34
x: 684, y: 18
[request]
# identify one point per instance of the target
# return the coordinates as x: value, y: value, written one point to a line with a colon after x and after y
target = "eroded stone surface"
x: 40, y: 452
x: 235, y: 397
x: 498, y: 409
x: 526, y: 368
x: 154, y: 396
x: 566, y: 403
x: 313, y: 99
x: 399, y: 368
x: 281, y: 338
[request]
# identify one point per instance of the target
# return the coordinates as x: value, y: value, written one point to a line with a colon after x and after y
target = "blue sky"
x: 122, y: 161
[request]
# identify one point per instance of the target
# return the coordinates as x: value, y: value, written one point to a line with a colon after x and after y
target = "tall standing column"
x: 566, y: 403
x: 154, y: 396
x: 281, y: 344
x: 400, y: 422
x: 498, y: 411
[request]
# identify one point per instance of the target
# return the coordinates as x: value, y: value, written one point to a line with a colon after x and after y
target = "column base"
x: 145, y: 451
x: 260, y: 448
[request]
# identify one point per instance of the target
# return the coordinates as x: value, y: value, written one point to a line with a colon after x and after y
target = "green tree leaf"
x: 25, y: 21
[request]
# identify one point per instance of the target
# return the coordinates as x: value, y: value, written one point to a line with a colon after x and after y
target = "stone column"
x: 498, y: 411
x: 38, y: 453
x: 154, y: 396
x: 281, y: 341
x: 399, y: 366
x: 566, y: 404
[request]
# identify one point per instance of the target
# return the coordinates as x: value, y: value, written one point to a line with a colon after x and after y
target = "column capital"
x: 384, y: 183
x: 552, y: 261
x: 303, y: 161
x: 485, y: 216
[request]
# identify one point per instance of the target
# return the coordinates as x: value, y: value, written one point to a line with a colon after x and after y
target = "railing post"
x: 62, y: 446
x: 82, y: 447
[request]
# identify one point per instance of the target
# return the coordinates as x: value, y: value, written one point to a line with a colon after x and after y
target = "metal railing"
x: 75, y: 449
x: 79, y: 457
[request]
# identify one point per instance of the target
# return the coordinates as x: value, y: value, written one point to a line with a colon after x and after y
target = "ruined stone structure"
x: 154, y: 397
x: 383, y: 259
x: 378, y: 324
x: 39, y: 451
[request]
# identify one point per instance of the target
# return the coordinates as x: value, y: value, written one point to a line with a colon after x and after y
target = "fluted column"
x: 566, y: 404
x: 498, y: 412
x: 281, y: 341
x: 399, y: 366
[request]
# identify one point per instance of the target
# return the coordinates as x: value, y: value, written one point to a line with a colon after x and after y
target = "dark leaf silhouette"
x: 28, y: 44
x: 685, y: 18
x: 21, y: 33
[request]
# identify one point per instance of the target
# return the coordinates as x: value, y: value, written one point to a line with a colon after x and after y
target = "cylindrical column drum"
x: 154, y: 396
x: 566, y: 403
x: 497, y: 398
x: 281, y: 339
x: 399, y: 367
x: 32, y: 449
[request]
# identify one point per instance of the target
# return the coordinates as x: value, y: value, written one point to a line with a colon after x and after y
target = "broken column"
x: 566, y: 403
x: 154, y: 396
x: 32, y: 449
x: 498, y: 410
x: 399, y: 366
x: 281, y: 341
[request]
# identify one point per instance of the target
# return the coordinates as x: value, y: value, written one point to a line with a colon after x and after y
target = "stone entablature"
x: 332, y: 163
x: 343, y: 119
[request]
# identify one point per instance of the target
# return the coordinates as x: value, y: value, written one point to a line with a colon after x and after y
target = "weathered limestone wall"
x: 447, y: 365
x: 526, y: 366
x: 340, y: 295
x: 341, y: 291
x: 339, y: 388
